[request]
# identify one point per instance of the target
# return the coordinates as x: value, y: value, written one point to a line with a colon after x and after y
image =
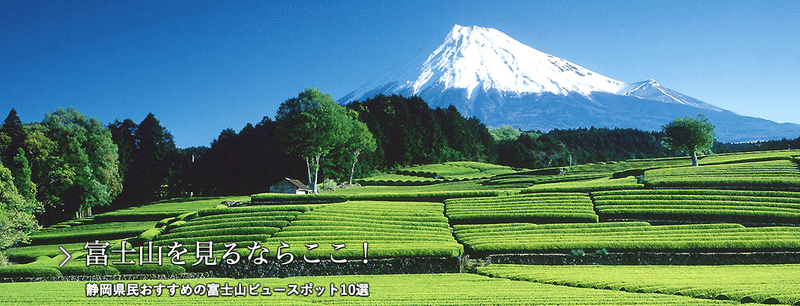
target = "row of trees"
x: 149, y: 162
x: 68, y: 165
x: 408, y: 132
x: 67, y: 162
x: 56, y: 169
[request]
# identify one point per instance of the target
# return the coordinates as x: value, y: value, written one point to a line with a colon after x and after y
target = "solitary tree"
x: 311, y: 126
x: 360, y: 140
x: 689, y: 135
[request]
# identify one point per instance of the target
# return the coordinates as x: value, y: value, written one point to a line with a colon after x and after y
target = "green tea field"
x: 387, y: 242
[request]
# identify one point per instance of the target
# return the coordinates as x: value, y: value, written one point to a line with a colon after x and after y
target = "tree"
x: 151, y: 167
x: 689, y: 135
x: 16, y: 214
x: 123, y: 134
x: 360, y: 140
x: 311, y: 126
x: 74, y: 163
x: 246, y: 162
x: 148, y: 159
x: 12, y: 136
x: 22, y: 178
x: 505, y: 132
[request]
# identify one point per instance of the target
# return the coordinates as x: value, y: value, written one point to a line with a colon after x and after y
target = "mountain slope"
x: 489, y: 75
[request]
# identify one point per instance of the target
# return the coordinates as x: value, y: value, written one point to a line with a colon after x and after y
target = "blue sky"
x: 201, y: 67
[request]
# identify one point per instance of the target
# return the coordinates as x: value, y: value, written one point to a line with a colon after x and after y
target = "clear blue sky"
x: 201, y: 67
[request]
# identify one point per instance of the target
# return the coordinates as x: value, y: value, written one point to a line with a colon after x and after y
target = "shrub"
x: 165, y: 221
x: 187, y: 216
x: 221, y: 232
x: 220, y: 225
x: 77, y: 235
x: 254, y: 208
x: 428, y: 196
x: 84, y: 270
x: 165, y: 268
x: 174, y: 225
x: 28, y: 271
x: 150, y: 234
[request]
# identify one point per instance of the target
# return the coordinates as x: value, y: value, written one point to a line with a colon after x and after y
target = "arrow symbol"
x: 63, y: 250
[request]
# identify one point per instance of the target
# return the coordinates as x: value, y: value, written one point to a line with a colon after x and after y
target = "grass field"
x: 432, y: 289
x: 769, y: 284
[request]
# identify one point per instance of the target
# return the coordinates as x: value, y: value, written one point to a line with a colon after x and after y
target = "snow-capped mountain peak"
x: 632, y: 87
x: 473, y: 58
x: 651, y: 90
x: 486, y: 74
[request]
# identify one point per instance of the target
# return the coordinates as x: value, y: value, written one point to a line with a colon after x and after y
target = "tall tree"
x: 123, y: 133
x: 360, y: 140
x: 75, y: 164
x: 12, y: 135
x: 150, y: 166
x: 22, y: 178
x: 311, y: 126
x: 689, y: 135
x: 16, y: 214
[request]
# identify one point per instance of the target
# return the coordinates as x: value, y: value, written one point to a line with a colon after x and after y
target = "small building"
x: 290, y: 186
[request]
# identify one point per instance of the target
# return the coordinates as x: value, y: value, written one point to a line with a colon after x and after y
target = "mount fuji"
x: 487, y: 74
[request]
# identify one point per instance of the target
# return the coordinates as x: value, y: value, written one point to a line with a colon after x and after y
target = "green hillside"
x: 467, y: 213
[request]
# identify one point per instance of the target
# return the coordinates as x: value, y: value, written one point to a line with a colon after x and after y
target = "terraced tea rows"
x: 398, y: 180
x: 391, y: 229
x: 700, y: 205
x: 769, y: 284
x: 624, y: 236
x: 534, y: 208
x: 83, y: 233
x: 449, y: 171
x: 766, y: 174
x: 586, y: 186
x: 437, y: 173
x: 490, y: 169
x: 237, y: 224
x: 521, y: 181
x: 382, y: 193
x: 431, y: 289
x: 580, y: 173
x: 749, y: 157
x: 162, y: 209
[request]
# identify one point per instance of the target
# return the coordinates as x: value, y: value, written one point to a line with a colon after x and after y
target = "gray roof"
x: 297, y: 183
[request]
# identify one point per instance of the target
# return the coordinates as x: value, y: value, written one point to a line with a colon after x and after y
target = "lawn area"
x: 427, y: 289
x: 769, y: 284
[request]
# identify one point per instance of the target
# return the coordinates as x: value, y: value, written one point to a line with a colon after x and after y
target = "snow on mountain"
x: 487, y: 74
x: 482, y: 58
x: 651, y: 90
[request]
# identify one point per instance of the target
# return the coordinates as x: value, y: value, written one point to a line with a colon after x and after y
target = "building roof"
x: 297, y: 183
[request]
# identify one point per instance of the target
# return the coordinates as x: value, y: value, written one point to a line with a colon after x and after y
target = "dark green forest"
x: 70, y: 166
